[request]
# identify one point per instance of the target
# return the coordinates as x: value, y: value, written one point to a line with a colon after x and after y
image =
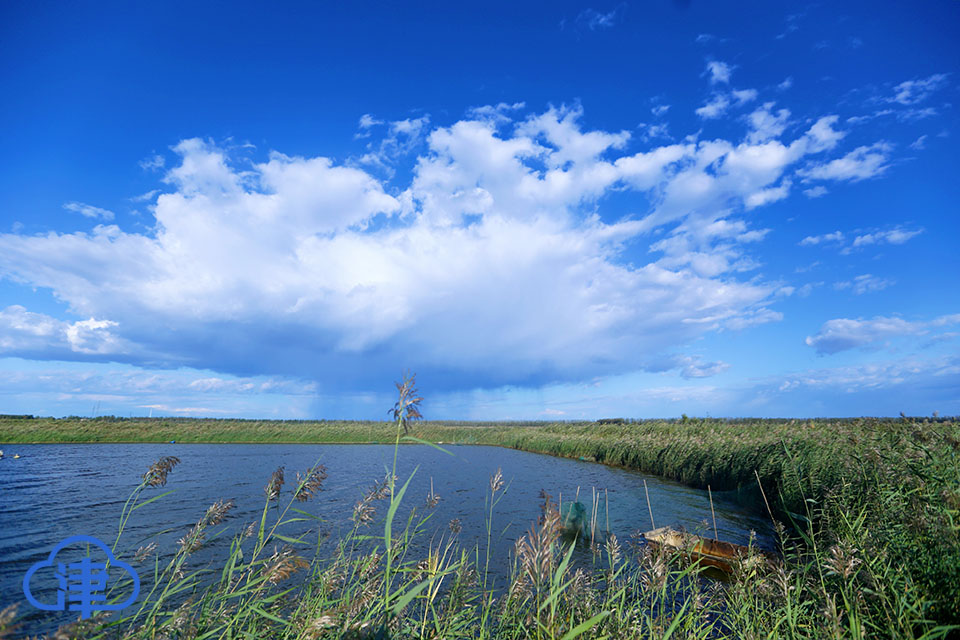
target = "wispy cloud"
x: 89, y: 211
x: 842, y: 334
x: 836, y: 237
x: 594, y: 20
x: 891, y: 236
x: 196, y: 411
x: 153, y: 163
x: 402, y: 137
x: 715, y: 108
x: 838, y: 240
x: 792, y: 25
x: 884, y: 387
x: 498, y: 113
x: 721, y: 102
x: 911, y: 92
x: 861, y: 163
x: 866, y: 283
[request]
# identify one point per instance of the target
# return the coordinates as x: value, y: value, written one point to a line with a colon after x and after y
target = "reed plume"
x: 144, y: 552
x: 156, y: 475
x: 363, y: 511
x: 536, y: 550
x: 496, y: 481
x: 283, y: 564
x: 311, y: 483
x: 215, y: 515
x: 407, y: 407
x: 276, y: 483
x: 7, y: 617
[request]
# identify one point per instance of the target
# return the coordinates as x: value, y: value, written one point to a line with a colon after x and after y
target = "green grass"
x: 871, y: 539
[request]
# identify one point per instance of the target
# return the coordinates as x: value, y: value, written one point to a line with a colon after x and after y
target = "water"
x: 56, y: 491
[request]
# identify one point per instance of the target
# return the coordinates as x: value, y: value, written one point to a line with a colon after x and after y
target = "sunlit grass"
x: 867, y: 512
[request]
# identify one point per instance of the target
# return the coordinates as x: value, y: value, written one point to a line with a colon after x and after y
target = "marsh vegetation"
x: 867, y: 514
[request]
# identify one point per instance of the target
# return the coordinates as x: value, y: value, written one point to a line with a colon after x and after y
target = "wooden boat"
x: 714, y: 553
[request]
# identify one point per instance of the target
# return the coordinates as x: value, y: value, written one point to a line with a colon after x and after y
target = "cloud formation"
x: 89, y: 211
x: 911, y: 92
x: 593, y: 19
x: 891, y: 236
x: 493, y: 263
x: 842, y: 334
x: 721, y: 102
x: 24, y: 333
x: 719, y: 72
x: 866, y: 283
x: 861, y: 163
x: 837, y: 240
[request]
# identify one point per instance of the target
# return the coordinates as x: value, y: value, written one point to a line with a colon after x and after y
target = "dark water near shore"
x: 56, y: 491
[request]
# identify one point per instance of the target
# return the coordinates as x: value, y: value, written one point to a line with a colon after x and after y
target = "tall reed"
x: 867, y: 513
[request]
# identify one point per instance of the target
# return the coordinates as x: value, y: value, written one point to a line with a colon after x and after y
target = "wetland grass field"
x: 867, y: 515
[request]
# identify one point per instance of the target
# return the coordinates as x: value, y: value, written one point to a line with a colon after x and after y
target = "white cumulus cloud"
x: 719, y: 72
x: 493, y: 260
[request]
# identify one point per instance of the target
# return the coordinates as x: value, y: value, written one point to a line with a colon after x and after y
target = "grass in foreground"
x: 870, y: 546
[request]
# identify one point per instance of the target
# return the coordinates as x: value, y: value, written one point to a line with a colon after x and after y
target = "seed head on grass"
x: 843, y: 560
x: 276, y: 483
x: 613, y: 550
x: 496, y: 481
x: 217, y: 512
x: 656, y: 564
x: 283, y: 564
x: 156, y: 475
x: 320, y: 627
x: 311, y: 483
x: 7, y: 616
x: 407, y: 407
x: 364, y: 510
x: 144, y: 552
x: 535, y: 550
x: 214, y: 516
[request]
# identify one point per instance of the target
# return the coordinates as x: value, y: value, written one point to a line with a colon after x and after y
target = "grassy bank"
x: 871, y: 511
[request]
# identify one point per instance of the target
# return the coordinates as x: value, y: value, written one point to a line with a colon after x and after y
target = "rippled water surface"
x: 55, y: 491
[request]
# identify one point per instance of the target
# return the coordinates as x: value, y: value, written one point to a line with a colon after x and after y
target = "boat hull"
x: 721, y: 555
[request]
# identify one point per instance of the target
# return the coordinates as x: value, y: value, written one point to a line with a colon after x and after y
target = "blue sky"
x: 548, y: 211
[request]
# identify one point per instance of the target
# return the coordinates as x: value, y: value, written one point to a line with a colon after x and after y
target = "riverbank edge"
x: 814, y: 472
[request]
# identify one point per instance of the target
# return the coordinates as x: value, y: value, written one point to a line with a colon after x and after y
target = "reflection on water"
x: 55, y: 491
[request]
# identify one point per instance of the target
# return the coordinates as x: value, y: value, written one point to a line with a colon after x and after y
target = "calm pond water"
x: 56, y: 491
